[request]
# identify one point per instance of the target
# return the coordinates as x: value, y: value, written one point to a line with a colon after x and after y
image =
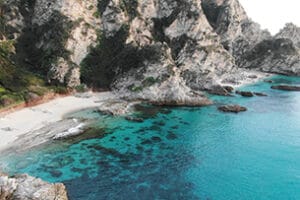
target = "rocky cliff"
x: 162, y: 51
x: 24, y: 187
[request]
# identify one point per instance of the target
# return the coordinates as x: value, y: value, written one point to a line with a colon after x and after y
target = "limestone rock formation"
x: 250, y: 46
x: 161, y: 51
x: 52, y: 37
x: 290, y: 31
x: 24, y: 187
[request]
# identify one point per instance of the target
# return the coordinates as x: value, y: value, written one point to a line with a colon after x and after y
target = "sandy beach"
x: 30, y: 119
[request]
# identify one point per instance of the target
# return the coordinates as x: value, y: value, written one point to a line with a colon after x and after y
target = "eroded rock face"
x: 290, y: 31
x: 24, y: 187
x: 48, y: 34
x: 237, y: 31
x: 250, y: 46
x: 155, y: 50
x: 179, y: 53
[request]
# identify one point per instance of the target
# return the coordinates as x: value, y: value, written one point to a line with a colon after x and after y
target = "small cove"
x: 181, y: 153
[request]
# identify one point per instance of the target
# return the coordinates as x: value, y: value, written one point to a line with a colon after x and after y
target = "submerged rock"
x: 134, y: 119
x: 286, y: 87
x: 232, y: 108
x: 25, y: 187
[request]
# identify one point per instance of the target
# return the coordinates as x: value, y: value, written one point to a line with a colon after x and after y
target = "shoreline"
x: 29, y: 119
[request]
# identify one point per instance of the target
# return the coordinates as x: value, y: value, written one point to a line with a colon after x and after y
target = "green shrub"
x: 60, y: 90
x: 81, y: 88
x: 134, y: 88
x: 149, y: 81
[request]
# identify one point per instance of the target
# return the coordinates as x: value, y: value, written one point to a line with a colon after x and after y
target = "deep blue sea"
x: 181, y: 153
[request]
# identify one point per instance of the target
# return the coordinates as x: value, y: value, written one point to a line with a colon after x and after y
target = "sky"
x: 273, y: 14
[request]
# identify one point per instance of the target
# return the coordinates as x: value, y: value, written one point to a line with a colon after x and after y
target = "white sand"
x: 30, y: 119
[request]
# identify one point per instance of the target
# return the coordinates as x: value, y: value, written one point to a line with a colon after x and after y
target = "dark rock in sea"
x: 75, y: 169
x: 155, y: 128
x: 175, y: 127
x: 146, y: 142
x: 286, y: 87
x: 55, y: 173
x: 171, y: 136
x: 260, y: 94
x: 245, y: 93
x: 134, y: 119
x: 127, y: 138
x: 159, y: 123
x: 139, y: 148
x: 156, y: 139
x: 232, y: 108
x: 220, y: 90
x: 268, y: 81
x: 83, y: 161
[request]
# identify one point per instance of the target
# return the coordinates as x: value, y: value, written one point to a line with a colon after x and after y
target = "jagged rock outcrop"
x: 276, y: 56
x: 290, y: 31
x: 238, y: 32
x: 250, y: 46
x: 166, y: 51
x: 24, y: 187
x: 52, y: 37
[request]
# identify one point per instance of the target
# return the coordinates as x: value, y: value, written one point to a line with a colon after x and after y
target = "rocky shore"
x: 24, y: 187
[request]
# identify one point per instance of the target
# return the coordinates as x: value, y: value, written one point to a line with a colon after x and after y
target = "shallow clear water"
x: 182, y: 153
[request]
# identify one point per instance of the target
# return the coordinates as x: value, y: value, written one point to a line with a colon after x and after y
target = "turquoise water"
x: 181, y: 153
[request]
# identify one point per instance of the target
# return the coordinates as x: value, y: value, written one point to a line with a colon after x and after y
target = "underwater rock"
x: 171, y: 136
x: 232, y: 108
x: 286, y: 87
x: 156, y: 139
x: 134, y: 119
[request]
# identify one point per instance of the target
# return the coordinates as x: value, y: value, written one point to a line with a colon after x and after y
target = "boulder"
x: 228, y: 88
x: 245, y: 93
x: 232, y: 108
x: 221, y: 90
x: 286, y: 87
x: 260, y: 94
x: 31, y: 97
x: 268, y: 81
